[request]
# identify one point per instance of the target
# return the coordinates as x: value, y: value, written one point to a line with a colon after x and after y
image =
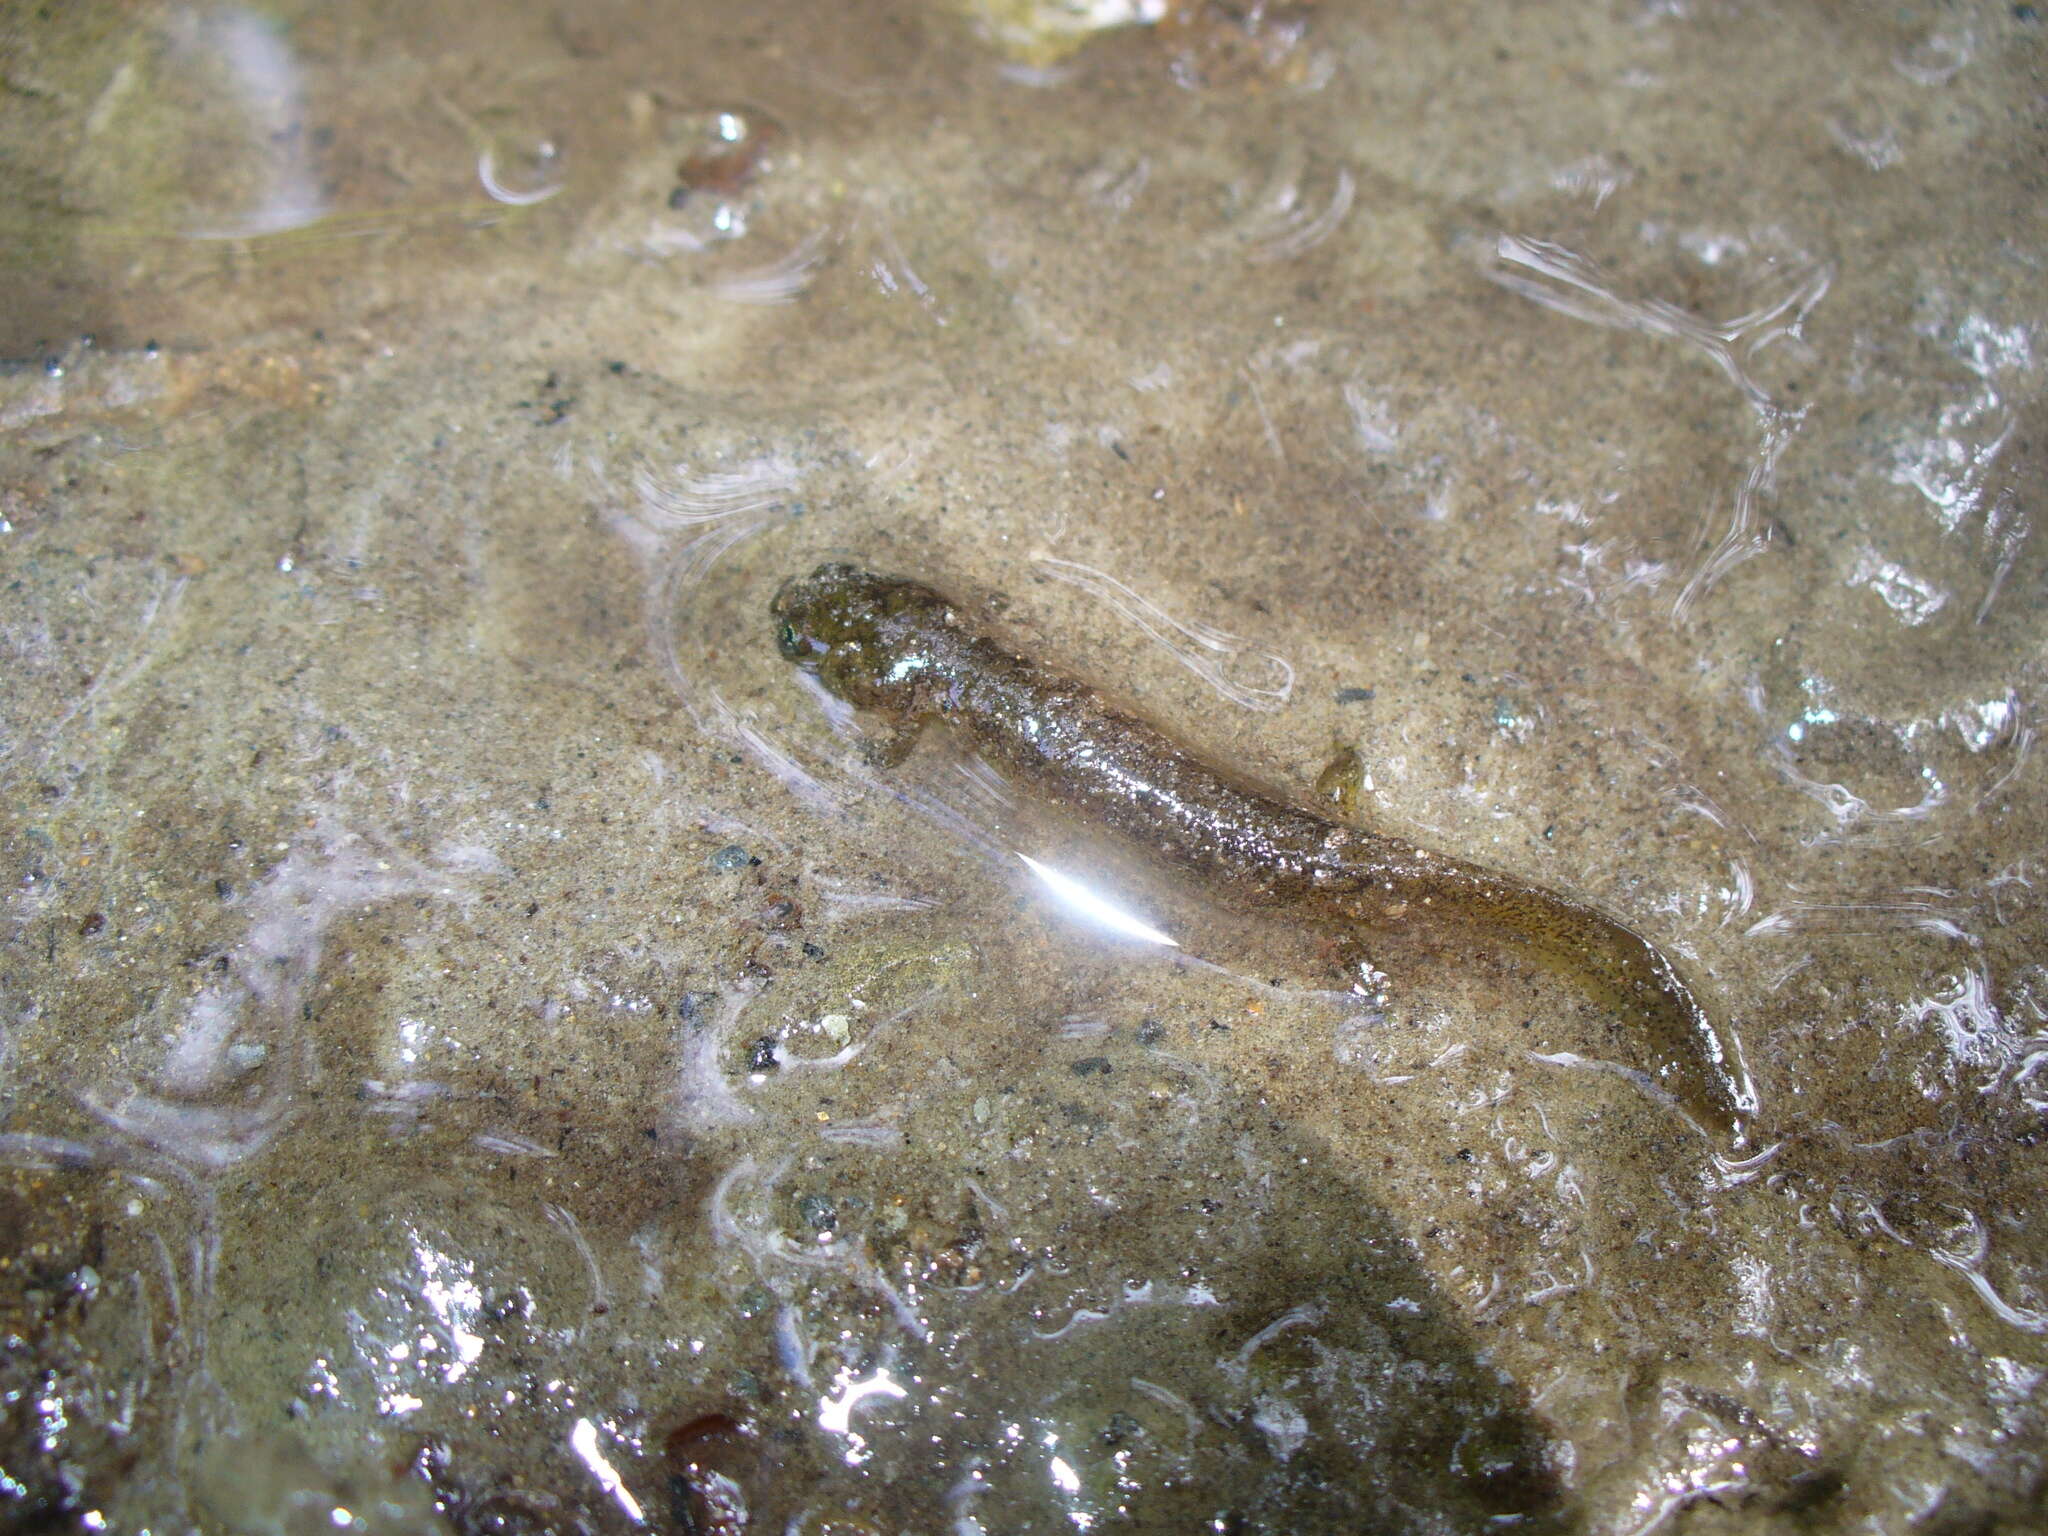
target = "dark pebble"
x: 818, y: 1212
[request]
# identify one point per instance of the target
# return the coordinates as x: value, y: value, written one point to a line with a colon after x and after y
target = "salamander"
x: 906, y: 651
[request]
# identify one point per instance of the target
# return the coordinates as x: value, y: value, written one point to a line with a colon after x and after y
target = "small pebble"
x: 731, y: 856
x: 818, y: 1212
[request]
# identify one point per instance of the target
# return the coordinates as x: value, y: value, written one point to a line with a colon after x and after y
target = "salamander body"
x: 904, y: 650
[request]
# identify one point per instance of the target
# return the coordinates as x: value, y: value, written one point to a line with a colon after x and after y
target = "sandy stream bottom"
x: 482, y: 1049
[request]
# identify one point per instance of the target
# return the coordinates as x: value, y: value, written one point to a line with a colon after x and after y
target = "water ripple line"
x: 1571, y: 284
x: 231, y: 1079
x: 1968, y: 1260
x: 730, y: 507
x: 1202, y: 648
x: 676, y: 575
x: 768, y: 1247
x: 1561, y: 279
x: 781, y: 281
x: 1746, y: 535
x: 1850, y: 810
x: 769, y: 754
x: 1856, y: 919
x: 703, y: 1097
x: 1280, y: 224
x: 685, y: 497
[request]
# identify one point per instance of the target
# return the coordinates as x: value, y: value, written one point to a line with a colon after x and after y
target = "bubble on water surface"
x: 1938, y: 57
x: 521, y: 168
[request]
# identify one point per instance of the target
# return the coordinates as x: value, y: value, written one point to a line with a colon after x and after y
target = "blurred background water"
x: 482, y: 1048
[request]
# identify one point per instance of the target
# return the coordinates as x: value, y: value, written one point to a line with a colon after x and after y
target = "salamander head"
x: 862, y: 635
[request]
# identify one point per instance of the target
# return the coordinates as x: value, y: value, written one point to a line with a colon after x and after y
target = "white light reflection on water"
x: 835, y: 1413
x: 1913, y: 599
x: 456, y: 1301
x: 446, y: 1343
x: 1096, y: 908
x: 583, y: 1441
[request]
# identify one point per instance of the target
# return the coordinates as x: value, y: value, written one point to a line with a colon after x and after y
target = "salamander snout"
x: 808, y: 611
x: 831, y: 611
x: 866, y: 638
x: 790, y: 640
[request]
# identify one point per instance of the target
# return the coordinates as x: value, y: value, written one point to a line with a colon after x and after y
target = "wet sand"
x: 483, y: 1048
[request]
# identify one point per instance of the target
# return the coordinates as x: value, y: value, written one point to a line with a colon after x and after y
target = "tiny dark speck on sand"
x: 1091, y: 1066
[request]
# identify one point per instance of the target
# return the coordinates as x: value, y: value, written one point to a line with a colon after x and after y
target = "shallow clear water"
x: 482, y: 1047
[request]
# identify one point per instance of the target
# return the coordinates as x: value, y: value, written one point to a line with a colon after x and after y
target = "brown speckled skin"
x: 901, y: 648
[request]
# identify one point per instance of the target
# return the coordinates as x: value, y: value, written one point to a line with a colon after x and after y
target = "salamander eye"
x: 797, y: 646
